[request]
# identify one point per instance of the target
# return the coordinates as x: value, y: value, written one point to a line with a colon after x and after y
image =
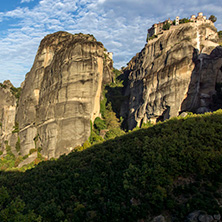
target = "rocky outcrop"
x: 202, y: 216
x: 61, y: 93
x: 7, y: 115
x: 195, y: 216
x: 175, y: 72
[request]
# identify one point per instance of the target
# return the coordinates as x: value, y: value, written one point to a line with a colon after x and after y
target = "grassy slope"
x: 173, y: 167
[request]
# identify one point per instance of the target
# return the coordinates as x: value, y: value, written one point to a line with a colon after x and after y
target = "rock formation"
x: 175, y: 72
x: 60, y: 94
x: 7, y: 115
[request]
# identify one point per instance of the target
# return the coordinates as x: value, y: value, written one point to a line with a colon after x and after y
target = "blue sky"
x: 121, y: 25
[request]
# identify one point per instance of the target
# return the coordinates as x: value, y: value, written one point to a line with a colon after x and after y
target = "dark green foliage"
x: 151, y: 37
x: 16, y: 128
x: 110, y: 118
x: 16, y: 91
x: 32, y: 151
x: 217, y: 98
x: 9, y: 159
x: 114, y: 132
x: 113, y: 93
x: 220, y: 37
x: 173, y: 167
x: 95, y: 138
x: 3, y: 86
x: 13, y: 210
x: 213, y: 18
x: 99, y: 124
x: 117, y: 73
x: 166, y: 26
x: 184, y: 20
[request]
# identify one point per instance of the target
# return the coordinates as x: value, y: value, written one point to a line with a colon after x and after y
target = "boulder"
x: 159, y: 218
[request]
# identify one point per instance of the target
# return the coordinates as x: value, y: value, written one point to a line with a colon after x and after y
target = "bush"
x: 184, y: 20
x: 32, y: 151
x: 112, y: 133
x: 213, y: 18
x: 220, y: 34
x: 16, y: 91
x: 16, y: 128
x: 166, y: 26
x: 95, y: 138
x: 99, y: 124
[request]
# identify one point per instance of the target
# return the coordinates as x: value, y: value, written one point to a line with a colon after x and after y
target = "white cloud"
x: 120, y: 25
x: 27, y: 1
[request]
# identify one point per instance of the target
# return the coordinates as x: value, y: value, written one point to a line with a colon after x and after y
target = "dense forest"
x: 171, y: 168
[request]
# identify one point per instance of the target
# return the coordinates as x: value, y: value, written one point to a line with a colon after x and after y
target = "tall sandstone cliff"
x: 61, y: 94
x: 7, y: 115
x: 175, y: 72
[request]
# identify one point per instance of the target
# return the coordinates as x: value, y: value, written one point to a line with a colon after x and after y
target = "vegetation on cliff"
x: 173, y: 168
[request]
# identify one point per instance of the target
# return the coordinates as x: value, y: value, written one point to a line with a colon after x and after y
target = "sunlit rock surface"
x: 61, y: 93
x: 173, y: 73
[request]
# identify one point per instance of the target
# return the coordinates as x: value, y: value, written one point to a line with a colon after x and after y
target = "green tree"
x: 166, y: 26
x: 213, y: 18
x: 184, y: 20
x: 12, y: 210
x: 110, y: 117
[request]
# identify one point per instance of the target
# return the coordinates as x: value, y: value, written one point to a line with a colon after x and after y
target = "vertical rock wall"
x: 7, y: 115
x: 61, y: 93
x: 170, y: 71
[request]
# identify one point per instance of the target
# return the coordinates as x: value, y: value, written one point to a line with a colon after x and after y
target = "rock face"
x: 173, y: 73
x: 7, y: 114
x: 61, y: 93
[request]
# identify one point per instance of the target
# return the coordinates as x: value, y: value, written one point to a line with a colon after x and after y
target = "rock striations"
x: 61, y: 93
x: 175, y: 72
x: 7, y: 115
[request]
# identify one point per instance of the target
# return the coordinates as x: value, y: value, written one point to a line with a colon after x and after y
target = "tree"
x: 220, y: 34
x: 166, y: 26
x: 212, y: 18
x: 184, y: 20
x: 14, y: 210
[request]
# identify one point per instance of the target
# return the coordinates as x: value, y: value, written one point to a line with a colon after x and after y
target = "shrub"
x: 16, y: 91
x: 184, y: 20
x: 16, y: 128
x: 166, y: 26
x: 32, y: 151
x: 213, y: 18
x: 99, y: 124
x: 112, y: 133
x: 95, y: 138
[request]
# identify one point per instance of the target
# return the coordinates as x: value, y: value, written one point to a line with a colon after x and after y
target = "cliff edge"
x: 175, y: 72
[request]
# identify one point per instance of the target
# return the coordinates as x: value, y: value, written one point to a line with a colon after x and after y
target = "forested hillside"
x: 172, y: 168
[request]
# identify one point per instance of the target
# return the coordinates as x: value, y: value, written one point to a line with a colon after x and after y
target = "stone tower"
x: 177, y: 20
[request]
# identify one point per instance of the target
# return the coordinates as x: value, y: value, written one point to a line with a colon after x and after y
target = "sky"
x: 121, y: 25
